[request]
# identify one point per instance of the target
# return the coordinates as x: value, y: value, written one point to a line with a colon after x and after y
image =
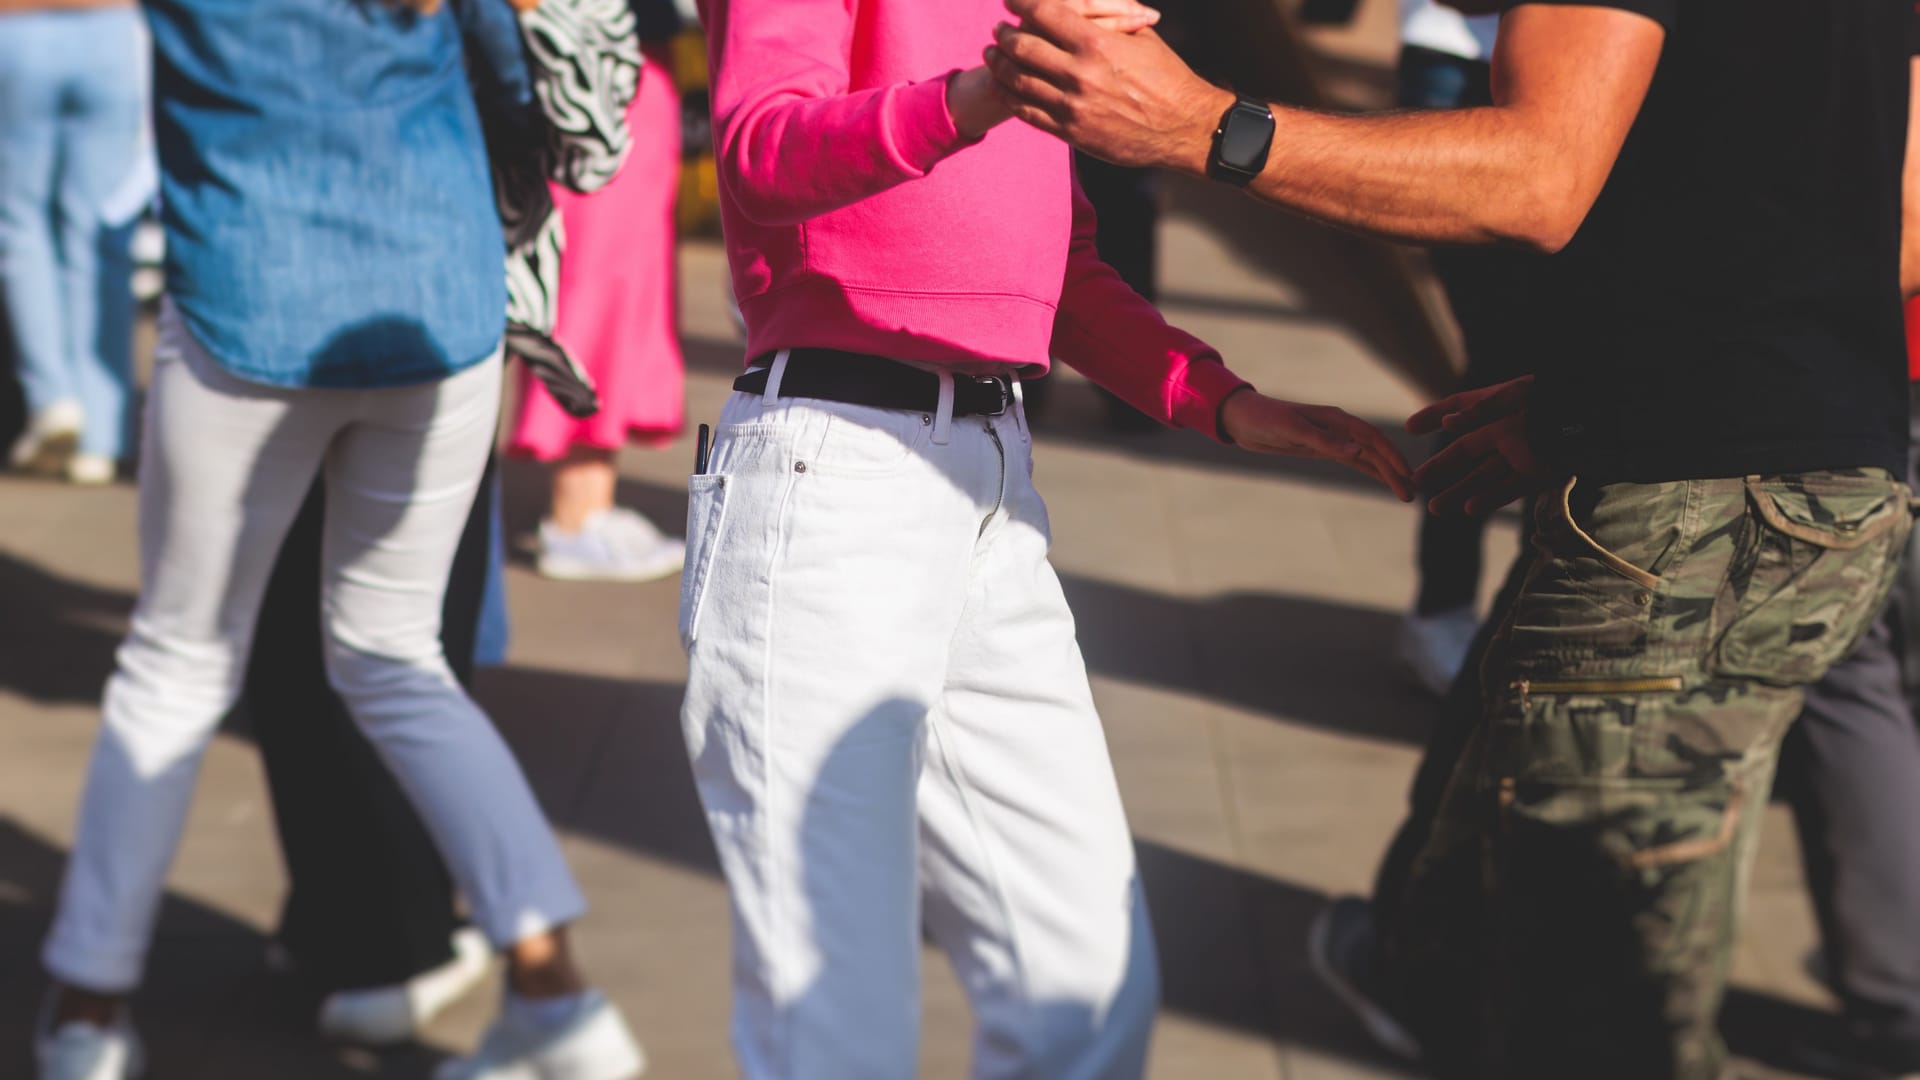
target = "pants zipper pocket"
x: 1657, y: 684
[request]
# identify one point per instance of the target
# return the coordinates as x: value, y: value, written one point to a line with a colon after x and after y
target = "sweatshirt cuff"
x: 920, y: 130
x: 1203, y: 388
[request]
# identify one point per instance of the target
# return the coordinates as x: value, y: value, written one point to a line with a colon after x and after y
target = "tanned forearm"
x: 1469, y: 177
x: 1525, y: 171
x: 1568, y: 80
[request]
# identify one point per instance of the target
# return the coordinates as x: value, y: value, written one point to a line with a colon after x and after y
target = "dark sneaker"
x: 1340, y: 950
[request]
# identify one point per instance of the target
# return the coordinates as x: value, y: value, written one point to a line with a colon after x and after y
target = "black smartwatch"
x: 1241, y: 144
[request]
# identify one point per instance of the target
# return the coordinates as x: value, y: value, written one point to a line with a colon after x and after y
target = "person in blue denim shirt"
x: 337, y: 306
x: 72, y: 94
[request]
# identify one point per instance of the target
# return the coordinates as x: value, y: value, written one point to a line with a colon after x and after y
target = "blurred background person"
x: 371, y: 919
x: 1851, y: 771
x: 618, y: 318
x: 73, y: 91
x: 318, y: 323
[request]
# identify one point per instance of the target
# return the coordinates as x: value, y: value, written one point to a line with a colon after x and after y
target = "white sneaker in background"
x: 49, y: 440
x: 80, y: 1051
x: 592, y: 1043
x: 613, y: 545
x: 91, y: 470
x: 1434, y: 647
x: 385, y: 1015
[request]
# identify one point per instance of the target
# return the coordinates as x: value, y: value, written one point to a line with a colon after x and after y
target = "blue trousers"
x: 72, y: 96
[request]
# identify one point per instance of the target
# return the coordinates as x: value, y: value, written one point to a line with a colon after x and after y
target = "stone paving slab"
x: 1237, y: 615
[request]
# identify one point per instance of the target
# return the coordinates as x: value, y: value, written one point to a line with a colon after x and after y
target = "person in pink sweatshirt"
x: 887, y: 712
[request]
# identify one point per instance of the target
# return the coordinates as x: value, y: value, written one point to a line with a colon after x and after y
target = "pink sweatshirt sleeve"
x: 1115, y: 337
x: 793, y: 142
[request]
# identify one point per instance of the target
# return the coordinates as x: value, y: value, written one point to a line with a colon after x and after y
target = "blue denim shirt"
x: 330, y: 221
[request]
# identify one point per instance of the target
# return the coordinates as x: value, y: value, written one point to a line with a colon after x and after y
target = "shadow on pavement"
x: 1342, y: 279
x: 57, y: 636
x: 209, y: 1010
x: 607, y: 758
x: 1307, y: 661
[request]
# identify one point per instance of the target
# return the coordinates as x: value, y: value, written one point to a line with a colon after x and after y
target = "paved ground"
x: 1237, y: 615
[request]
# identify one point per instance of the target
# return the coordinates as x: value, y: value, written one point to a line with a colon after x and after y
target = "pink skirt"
x: 618, y: 305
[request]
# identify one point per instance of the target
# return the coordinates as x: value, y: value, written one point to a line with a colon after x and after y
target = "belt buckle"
x: 1006, y: 392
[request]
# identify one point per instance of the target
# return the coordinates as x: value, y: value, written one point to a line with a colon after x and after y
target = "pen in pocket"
x: 700, y: 450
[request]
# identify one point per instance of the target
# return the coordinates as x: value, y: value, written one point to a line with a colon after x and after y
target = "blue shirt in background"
x: 330, y: 220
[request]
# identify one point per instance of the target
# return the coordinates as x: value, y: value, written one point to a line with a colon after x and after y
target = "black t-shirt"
x: 1732, y: 304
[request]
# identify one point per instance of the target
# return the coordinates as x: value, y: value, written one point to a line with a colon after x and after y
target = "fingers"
x: 1470, y: 409
x: 1055, y: 20
x: 1382, y: 469
x: 1504, y: 399
x: 1383, y: 458
x: 1455, y: 461
x: 1025, y: 87
x: 1033, y: 55
x: 1334, y: 435
x: 1432, y: 418
x: 1493, y: 475
x: 1121, y: 16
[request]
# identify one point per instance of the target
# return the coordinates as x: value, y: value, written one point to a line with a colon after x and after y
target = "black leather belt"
x: 875, y: 381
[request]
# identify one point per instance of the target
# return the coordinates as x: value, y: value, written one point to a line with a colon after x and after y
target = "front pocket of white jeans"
x: 706, y: 521
x: 859, y: 440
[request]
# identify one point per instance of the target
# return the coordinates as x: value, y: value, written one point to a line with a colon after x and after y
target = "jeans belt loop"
x: 775, y: 374
x: 943, y: 414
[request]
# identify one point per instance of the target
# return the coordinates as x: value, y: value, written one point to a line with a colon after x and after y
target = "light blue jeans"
x: 73, y: 88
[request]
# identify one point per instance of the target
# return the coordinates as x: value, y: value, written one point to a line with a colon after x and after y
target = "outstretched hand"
x: 1271, y: 426
x: 1491, y: 463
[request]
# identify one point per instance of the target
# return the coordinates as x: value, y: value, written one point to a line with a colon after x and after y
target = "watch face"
x: 1248, y: 137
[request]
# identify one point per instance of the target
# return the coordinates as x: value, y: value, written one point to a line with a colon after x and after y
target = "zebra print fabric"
x: 585, y: 61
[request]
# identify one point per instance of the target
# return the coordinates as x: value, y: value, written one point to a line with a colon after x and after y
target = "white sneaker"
x: 385, y: 1015
x: 594, y: 1045
x: 81, y: 1051
x: 91, y: 470
x: 1434, y: 647
x: 51, y: 435
x: 613, y: 545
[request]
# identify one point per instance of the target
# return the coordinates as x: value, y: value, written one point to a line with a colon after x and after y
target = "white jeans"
x: 225, y: 469
x: 890, y: 725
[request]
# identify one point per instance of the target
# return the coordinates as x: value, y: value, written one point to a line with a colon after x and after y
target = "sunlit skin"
x: 1568, y: 83
x: 1252, y: 420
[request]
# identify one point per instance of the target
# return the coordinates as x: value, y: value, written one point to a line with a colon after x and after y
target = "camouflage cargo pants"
x: 1571, y: 913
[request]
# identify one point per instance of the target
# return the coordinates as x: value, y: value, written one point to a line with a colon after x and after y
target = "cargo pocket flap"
x: 1839, y: 518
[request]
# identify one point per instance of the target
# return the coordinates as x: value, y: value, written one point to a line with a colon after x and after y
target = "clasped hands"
x: 1095, y: 73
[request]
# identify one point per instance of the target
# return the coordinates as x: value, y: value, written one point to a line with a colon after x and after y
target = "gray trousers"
x: 1852, y: 773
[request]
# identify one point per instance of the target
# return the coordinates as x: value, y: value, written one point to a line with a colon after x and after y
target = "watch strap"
x: 1241, y: 142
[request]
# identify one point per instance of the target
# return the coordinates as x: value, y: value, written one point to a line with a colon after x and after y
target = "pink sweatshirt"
x: 857, y: 218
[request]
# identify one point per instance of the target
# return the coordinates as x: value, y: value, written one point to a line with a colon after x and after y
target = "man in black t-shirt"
x: 1712, y: 447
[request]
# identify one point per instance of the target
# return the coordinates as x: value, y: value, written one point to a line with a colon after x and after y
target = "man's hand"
x: 1270, y: 426
x: 1122, y: 97
x: 977, y: 103
x: 1490, y: 464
